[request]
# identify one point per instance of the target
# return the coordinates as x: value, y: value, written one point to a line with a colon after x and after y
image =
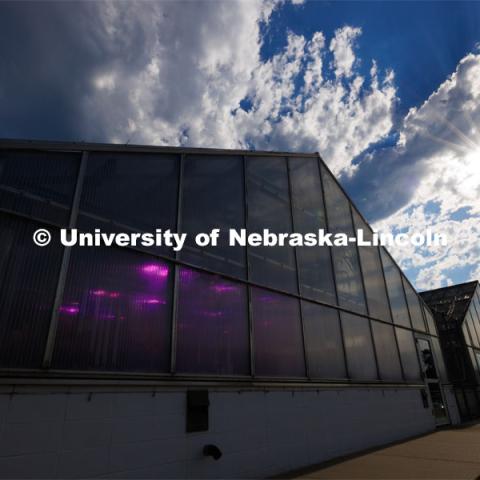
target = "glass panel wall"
x: 39, y: 184
x: 375, y: 288
x: 277, y: 333
x: 408, y: 354
x: 387, y: 351
x: 323, y: 341
x: 117, y: 309
x: 28, y: 281
x: 414, y: 307
x: 442, y: 371
x: 116, y: 312
x: 396, y: 294
x: 472, y: 330
x: 345, y: 258
x: 213, y: 197
x: 268, y: 203
x: 359, y: 348
x: 118, y: 198
x: 475, y: 325
x: 314, y: 263
x: 430, y: 321
x: 212, y: 325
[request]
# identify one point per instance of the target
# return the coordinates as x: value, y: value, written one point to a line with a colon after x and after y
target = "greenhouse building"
x: 205, y: 361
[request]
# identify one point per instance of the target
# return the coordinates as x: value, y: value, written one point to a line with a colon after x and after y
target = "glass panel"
x: 395, y: 290
x: 387, y: 351
x: 358, y: 347
x: 439, y: 359
x: 466, y: 332
x: 427, y: 360
x: 472, y: 312
x: 277, y: 333
x: 375, y: 289
x: 314, y: 263
x: 430, y: 321
x: 408, y: 354
x: 414, y: 306
x: 269, y: 208
x: 212, y: 325
x: 39, y: 184
x: 27, y: 292
x: 213, y: 197
x: 475, y: 365
x: 345, y: 259
x: 323, y: 341
x: 115, y: 313
x: 472, y: 403
x: 438, y: 407
x: 472, y: 330
x: 475, y: 308
x: 125, y: 191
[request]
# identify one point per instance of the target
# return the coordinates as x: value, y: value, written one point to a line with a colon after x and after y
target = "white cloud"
x: 199, y: 62
x: 342, y: 48
x: 438, y: 156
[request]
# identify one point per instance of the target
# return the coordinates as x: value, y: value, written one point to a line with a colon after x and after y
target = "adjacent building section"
x: 457, y: 313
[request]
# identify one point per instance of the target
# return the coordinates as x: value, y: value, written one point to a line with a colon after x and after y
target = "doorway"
x: 432, y: 381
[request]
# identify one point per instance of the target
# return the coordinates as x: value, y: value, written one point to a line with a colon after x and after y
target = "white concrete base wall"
x: 141, y: 435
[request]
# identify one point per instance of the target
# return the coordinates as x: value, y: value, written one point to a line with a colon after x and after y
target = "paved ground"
x: 445, y: 454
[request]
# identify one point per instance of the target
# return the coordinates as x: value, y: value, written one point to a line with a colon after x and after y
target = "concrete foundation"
x: 142, y: 434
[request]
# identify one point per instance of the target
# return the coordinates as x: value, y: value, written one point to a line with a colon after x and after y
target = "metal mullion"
x: 247, y: 258
x: 357, y: 249
x: 176, y: 277
x: 332, y: 265
x: 62, y: 275
x: 297, y: 276
x: 25, y: 216
x: 39, y: 145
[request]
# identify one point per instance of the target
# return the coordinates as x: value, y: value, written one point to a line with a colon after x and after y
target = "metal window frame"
x: 297, y: 271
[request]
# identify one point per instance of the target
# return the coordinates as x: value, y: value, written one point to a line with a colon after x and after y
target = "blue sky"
x: 422, y: 41
x: 387, y: 92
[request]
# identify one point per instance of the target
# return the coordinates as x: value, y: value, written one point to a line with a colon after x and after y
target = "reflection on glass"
x: 212, y: 325
x: 414, y: 306
x: 474, y: 330
x: 372, y: 274
x: 430, y: 321
x: 427, y: 359
x: 345, y: 259
x: 278, y: 345
x: 115, y: 313
x: 314, y: 263
x: 213, y: 197
x: 323, y: 341
x: 396, y: 294
x: 408, y: 354
x: 358, y: 347
x: 269, y: 207
x: 387, y: 351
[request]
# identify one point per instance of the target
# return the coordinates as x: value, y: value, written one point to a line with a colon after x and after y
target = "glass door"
x: 430, y: 375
